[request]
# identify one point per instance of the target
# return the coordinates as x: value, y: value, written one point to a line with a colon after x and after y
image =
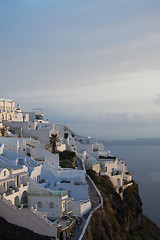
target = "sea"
x: 144, y: 164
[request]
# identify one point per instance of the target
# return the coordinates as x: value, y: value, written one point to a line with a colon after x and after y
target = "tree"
x: 53, y: 142
x: 3, y: 131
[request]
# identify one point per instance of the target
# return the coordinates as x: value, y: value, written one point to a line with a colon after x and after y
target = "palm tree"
x: 53, y: 142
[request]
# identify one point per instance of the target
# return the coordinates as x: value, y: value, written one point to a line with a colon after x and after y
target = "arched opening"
x: 51, y: 205
x: 118, y: 182
x: 2, y: 117
x: 121, y: 189
x: 24, y: 199
x: 62, y: 235
x: 39, y: 205
x: 10, y: 117
x: 16, y: 201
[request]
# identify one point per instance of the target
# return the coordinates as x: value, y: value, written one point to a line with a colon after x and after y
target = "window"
x: 51, y: 205
x: 69, y: 193
x: 38, y: 178
x: 39, y: 205
x: 106, y: 169
x: 4, y: 173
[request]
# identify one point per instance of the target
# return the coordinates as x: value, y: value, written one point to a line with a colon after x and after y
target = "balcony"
x: 25, y: 184
x: 115, y: 173
x: 9, y: 192
x: 127, y: 177
x: 52, y: 193
x: 16, y: 189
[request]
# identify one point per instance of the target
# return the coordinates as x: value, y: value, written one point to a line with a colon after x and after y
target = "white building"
x: 14, y: 184
x: 115, y: 169
x: 37, y: 130
x: 53, y: 203
x: 71, y: 181
x: 10, y: 113
x: 33, y: 116
x: 15, y: 199
x: 7, y: 108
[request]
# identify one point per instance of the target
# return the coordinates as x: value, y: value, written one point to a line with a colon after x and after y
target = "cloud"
x: 157, y: 100
x: 47, y: 49
x: 79, y: 60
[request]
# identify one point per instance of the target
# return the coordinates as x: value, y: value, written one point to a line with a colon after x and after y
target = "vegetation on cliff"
x: 119, y: 219
x: 67, y: 159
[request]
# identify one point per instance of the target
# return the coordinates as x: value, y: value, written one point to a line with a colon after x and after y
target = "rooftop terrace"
x: 56, y: 193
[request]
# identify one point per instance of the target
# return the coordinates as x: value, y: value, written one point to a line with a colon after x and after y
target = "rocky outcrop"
x: 119, y: 219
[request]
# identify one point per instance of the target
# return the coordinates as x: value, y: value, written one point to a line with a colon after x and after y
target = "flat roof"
x: 50, y: 193
x: 4, y: 164
x: 4, y: 99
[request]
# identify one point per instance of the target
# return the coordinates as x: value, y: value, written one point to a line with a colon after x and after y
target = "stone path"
x: 81, y: 221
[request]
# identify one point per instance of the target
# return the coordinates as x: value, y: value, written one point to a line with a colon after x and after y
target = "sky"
x: 91, y: 65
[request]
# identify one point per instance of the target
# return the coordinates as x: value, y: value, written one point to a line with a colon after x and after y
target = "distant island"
x: 136, y: 142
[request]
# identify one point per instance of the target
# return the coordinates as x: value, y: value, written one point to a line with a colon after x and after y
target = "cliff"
x: 119, y: 219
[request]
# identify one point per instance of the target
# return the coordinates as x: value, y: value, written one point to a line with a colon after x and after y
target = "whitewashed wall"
x: 28, y: 219
x: 78, y: 192
x: 56, y: 211
x: 80, y: 208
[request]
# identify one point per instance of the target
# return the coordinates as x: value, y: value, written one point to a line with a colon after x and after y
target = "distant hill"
x: 139, y: 141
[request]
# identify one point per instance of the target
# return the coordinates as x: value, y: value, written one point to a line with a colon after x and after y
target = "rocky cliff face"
x: 119, y: 219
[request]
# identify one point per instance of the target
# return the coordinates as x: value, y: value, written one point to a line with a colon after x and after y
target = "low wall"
x: 27, y: 218
x: 80, y: 208
x: 90, y: 215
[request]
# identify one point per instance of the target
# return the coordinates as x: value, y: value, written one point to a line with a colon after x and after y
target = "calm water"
x: 144, y: 164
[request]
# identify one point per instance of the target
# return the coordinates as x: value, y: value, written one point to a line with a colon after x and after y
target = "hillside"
x: 119, y: 219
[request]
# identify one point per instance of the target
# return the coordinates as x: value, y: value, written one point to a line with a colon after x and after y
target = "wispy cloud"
x: 83, y: 59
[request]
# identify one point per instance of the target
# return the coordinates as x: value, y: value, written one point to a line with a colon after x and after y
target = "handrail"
x: 91, y: 213
x: 8, y: 203
x: 33, y: 210
x: 42, y: 217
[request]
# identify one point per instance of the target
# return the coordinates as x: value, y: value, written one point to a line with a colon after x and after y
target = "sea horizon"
x: 143, y: 163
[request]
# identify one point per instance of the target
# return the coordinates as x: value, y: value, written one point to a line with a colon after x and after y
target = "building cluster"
x: 36, y: 192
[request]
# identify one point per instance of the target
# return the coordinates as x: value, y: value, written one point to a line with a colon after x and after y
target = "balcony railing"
x: 25, y: 184
x: 9, y: 192
x: 115, y: 173
x: 60, y: 193
x: 16, y: 189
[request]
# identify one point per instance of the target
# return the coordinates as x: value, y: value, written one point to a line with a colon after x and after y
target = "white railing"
x: 42, y: 217
x: 91, y: 213
x: 8, y: 203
